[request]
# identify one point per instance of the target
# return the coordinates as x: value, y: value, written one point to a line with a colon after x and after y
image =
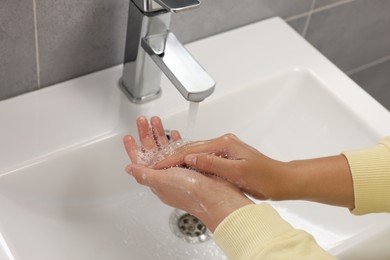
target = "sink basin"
x: 64, y: 194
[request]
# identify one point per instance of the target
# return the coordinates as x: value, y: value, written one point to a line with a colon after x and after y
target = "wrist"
x: 297, y: 180
x: 282, y: 182
x: 215, y: 214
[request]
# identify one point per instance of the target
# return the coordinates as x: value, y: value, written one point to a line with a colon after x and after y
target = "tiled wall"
x: 43, y: 42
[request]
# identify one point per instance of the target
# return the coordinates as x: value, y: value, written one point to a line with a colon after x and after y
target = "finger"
x: 142, y: 174
x: 175, y: 135
x: 209, y: 163
x: 131, y: 148
x: 158, y: 131
x: 177, y: 158
x: 145, y: 134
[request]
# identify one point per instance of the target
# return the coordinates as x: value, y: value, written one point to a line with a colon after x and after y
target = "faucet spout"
x: 151, y: 49
x: 190, y: 79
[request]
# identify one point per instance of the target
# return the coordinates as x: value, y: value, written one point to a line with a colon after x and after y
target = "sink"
x: 292, y: 115
x: 64, y: 194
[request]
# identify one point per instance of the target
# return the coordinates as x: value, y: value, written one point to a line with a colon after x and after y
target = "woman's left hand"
x: 151, y: 137
x: 209, y: 198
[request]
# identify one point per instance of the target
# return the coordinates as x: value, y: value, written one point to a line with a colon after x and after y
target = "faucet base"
x: 138, y: 100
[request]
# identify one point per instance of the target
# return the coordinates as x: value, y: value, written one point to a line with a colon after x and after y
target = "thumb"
x: 213, y: 164
x: 142, y: 174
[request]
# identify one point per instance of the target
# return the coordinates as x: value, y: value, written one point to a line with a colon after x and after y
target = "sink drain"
x: 191, y: 226
x: 188, y: 227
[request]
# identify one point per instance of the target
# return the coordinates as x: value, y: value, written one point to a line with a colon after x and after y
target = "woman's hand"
x: 209, y: 198
x: 326, y: 180
x: 237, y: 162
x: 152, y: 137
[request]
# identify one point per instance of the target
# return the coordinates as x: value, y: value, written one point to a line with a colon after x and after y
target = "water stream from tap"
x: 191, y: 120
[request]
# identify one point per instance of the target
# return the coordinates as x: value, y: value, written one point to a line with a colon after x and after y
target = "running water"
x: 191, y: 120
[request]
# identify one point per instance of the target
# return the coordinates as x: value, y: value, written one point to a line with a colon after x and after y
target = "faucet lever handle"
x: 178, y: 5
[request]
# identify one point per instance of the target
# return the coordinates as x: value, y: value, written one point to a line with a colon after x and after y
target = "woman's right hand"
x: 230, y: 158
x: 326, y: 180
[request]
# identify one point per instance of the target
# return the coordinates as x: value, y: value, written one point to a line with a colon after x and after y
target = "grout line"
x: 297, y: 16
x: 306, y: 27
x: 368, y: 65
x: 320, y: 9
x: 36, y: 45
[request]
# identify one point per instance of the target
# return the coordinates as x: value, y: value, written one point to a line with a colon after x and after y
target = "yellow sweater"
x: 258, y: 231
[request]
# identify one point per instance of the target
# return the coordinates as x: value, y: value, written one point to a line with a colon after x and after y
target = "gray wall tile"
x: 78, y: 37
x: 215, y: 16
x: 352, y: 34
x: 17, y: 48
x: 376, y: 81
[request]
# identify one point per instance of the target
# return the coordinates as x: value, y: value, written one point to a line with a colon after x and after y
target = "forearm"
x: 326, y: 180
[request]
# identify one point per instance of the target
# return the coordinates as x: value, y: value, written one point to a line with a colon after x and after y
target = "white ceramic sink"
x: 63, y: 190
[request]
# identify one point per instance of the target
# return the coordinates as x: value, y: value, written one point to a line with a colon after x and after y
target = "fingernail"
x: 128, y: 138
x: 142, y: 119
x: 190, y: 160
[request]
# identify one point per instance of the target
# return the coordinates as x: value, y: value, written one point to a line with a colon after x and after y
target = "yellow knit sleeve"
x: 258, y: 232
x: 370, y: 170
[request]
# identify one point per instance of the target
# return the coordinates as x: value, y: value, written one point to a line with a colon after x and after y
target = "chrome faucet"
x: 151, y: 48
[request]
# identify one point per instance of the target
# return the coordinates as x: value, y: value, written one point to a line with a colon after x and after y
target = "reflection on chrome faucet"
x: 151, y: 49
